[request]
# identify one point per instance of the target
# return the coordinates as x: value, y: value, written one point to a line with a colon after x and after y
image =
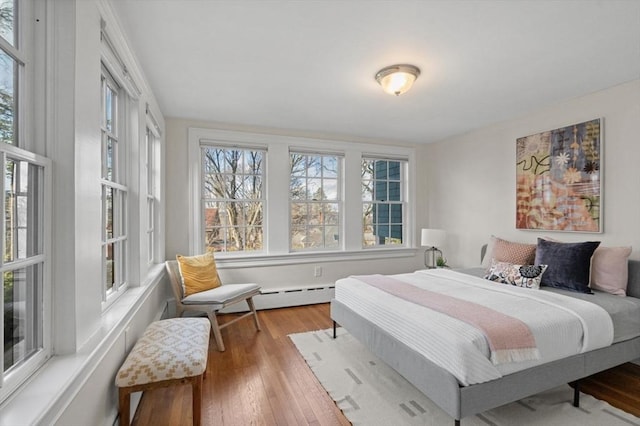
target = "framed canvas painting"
x: 559, y: 179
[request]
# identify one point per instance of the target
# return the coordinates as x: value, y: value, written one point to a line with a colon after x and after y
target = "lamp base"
x: 430, y: 257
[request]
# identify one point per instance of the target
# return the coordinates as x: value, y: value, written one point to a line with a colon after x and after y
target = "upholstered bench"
x: 170, y: 352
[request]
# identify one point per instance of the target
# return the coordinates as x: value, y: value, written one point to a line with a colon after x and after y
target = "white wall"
x: 471, y: 178
x: 177, y: 238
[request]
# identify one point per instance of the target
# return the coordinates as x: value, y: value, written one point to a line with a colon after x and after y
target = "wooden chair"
x: 212, y: 301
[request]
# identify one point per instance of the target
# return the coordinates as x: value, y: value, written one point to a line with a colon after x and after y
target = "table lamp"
x: 432, y: 238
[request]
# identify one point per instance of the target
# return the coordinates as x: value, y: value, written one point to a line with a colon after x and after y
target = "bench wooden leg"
x: 124, y: 403
x: 196, y: 397
x: 255, y: 314
x: 216, y: 330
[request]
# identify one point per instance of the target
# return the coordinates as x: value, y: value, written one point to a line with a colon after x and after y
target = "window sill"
x: 44, y: 396
x: 250, y: 261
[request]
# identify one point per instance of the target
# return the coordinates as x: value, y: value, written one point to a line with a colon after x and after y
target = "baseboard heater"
x: 270, y: 298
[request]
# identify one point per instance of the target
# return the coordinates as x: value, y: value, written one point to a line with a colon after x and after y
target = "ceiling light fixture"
x: 397, y: 79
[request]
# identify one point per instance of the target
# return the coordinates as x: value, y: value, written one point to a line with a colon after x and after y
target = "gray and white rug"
x: 370, y: 393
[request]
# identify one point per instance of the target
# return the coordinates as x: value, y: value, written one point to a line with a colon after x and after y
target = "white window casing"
x: 277, y: 248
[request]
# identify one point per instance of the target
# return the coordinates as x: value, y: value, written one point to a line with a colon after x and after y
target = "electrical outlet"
x: 317, y: 271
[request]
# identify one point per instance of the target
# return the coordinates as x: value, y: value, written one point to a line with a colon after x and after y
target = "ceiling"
x: 309, y: 66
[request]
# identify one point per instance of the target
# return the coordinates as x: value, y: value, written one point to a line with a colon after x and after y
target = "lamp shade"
x: 397, y: 79
x: 433, y: 237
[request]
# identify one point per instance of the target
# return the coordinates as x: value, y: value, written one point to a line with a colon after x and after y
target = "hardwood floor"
x: 259, y: 380
x: 618, y: 386
x: 262, y: 380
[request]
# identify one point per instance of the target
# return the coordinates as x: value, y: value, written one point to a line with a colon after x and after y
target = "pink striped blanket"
x: 510, y: 339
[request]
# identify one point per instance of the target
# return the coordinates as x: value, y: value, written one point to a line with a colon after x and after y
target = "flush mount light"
x: 397, y: 79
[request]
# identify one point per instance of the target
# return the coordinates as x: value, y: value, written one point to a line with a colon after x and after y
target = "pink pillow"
x: 609, y: 269
x: 516, y: 253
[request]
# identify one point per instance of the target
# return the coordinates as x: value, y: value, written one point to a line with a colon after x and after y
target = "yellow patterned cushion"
x: 168, y: 349
x: 198, y: 273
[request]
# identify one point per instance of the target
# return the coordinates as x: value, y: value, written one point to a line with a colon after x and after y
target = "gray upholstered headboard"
x: 633, y: 286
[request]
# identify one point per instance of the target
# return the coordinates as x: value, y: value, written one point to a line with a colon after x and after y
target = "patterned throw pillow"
x: 509, y: 251
x: 527, y: 276
x: 512, y: 252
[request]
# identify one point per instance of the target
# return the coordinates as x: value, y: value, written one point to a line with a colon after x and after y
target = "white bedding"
x: 562, y: 326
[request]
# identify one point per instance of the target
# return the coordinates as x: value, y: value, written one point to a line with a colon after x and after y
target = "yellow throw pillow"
x: 198, y: 273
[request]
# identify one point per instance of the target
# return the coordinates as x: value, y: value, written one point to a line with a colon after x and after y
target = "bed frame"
x: 461, y: 401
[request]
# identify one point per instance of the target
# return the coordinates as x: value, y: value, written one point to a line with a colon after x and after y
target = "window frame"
x: 150, y: 141
x: 28, y: 71
x: 117, y: 185
x: 276, y: 216
x: 262, y: 200
x: 403, y: 201
x: 338, y: 157
x: 9, y: 381
x: 23, y: 52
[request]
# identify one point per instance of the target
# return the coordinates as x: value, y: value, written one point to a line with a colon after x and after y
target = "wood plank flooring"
x: 261, y: 379
x: 619, y: 386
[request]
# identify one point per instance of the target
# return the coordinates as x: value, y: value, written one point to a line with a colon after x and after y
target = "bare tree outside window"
x: 233, y: 199
x: 7, y: 24
x: 8, y: 76
x: 315, y: 197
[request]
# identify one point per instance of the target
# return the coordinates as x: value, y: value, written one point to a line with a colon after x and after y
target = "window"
x: 12, y: 60
x: 150, y: 141
x: 25, y: 301
x: 26, y: 296
x: 315, y: 200
x: 315, y: 188
x: 23, y: 258
x: 232, y: 198
x: 114, y: 190
x: 383, y: 202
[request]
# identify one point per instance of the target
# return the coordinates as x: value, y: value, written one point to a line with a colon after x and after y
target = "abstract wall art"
x: 559, y: 179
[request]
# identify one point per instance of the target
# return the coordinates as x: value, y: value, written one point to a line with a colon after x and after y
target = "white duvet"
x: 562, y: 325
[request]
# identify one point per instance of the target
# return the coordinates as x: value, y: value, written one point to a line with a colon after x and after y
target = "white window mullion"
x: 276, y: 215
x: 352, y: 200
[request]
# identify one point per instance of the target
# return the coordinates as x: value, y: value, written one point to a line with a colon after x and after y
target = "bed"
x: 459, y: 401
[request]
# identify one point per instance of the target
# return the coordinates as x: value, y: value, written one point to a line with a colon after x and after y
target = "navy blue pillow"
x: 569, y: 264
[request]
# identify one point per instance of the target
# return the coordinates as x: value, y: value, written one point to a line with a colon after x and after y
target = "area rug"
x: 370, y: 393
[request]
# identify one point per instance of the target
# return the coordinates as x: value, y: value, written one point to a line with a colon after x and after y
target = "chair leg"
x: 255, y: 314
x: 216, y: 330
